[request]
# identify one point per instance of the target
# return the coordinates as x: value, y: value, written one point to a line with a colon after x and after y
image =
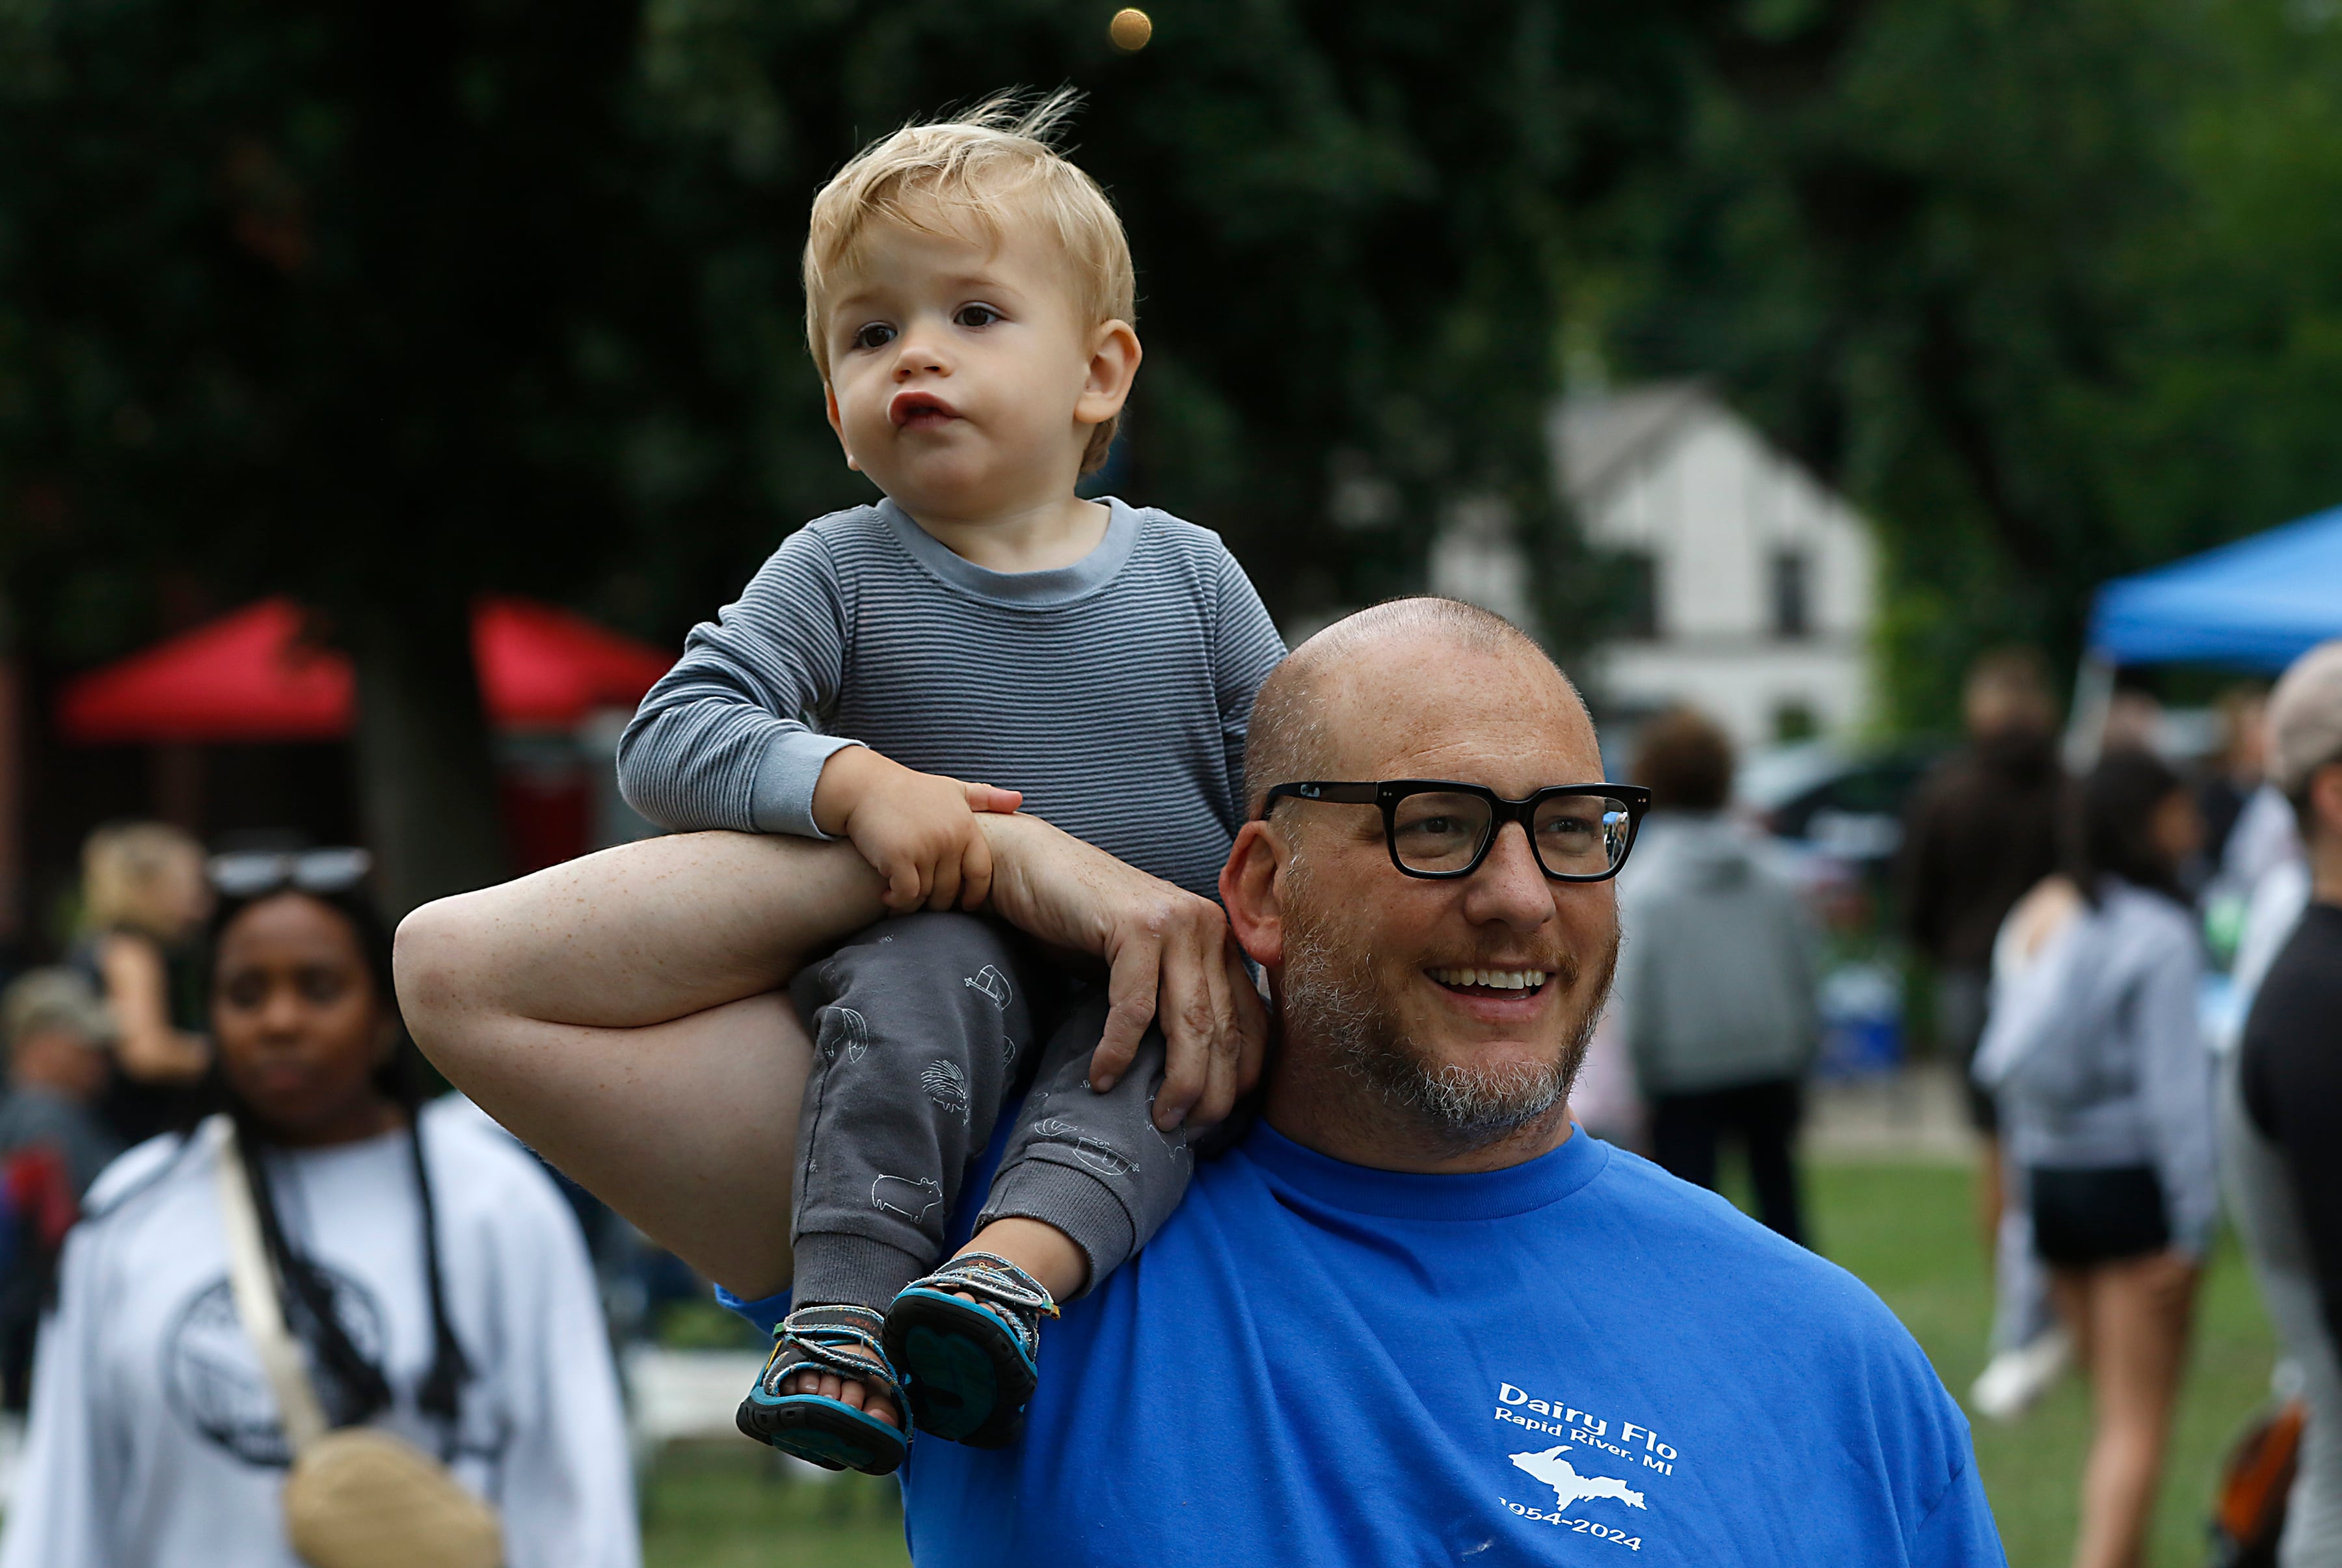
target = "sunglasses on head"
x: 250, y: 873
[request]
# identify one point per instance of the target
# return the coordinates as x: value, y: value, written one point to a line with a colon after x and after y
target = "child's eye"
x: 974, y: 316
x: 877, y: 334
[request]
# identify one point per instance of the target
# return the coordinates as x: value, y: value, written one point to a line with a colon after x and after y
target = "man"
x: 2282, y: 1109
x: 1413, y: 1316
x: 1980, y: 831
x: 58, y: 1036
x: 52, y: 1146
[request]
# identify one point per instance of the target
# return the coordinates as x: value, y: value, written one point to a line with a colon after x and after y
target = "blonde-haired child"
x: 143, y: 897
x: 969, y: 295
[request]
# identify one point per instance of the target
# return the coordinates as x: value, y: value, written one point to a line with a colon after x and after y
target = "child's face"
x: 963, y: 380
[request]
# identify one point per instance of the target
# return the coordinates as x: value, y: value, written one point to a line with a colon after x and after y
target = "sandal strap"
x: 824, y: 1337
x: 1016, y: 1297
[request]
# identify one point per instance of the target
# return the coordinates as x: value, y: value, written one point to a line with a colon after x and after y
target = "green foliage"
x: 2051, y: 289
x: 385, y: 304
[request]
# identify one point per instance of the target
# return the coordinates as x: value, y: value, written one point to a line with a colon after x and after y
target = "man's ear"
x: 1113, y: 366
x: 829, y: 398
x: 1252, y: 889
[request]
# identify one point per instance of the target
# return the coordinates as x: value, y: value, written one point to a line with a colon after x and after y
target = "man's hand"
x: 916, y: 829
x: 1170, y: 956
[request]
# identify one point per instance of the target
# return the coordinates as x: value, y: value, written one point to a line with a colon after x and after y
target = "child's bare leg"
x: 1038, y: 1248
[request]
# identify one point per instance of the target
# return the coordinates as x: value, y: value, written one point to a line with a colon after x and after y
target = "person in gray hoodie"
x: 1717, y: 974
x: 2105, y: 1082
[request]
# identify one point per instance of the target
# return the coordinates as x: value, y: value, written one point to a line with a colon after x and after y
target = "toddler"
x: 968, y: 300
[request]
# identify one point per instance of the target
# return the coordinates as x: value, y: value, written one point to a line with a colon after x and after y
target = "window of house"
x: 1638, y: 594
x: 1793, y: 607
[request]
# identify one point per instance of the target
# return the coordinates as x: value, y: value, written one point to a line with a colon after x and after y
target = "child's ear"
x: 1113, y: 364
x: 829, y: 398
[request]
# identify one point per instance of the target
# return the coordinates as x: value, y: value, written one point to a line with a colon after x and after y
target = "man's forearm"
x: 637, y: 935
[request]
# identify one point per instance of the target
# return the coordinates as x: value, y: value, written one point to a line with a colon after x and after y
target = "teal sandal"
x: 970, y: 1367
x: 830, y: 1432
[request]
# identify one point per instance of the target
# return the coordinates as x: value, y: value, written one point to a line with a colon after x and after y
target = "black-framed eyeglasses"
x: 1438, y: 828
x: 251, y: 873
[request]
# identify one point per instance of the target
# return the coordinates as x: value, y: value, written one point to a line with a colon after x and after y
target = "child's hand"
x: 916, y: 829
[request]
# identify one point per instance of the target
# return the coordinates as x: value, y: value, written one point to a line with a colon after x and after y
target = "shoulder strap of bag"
x: 258, y: 1306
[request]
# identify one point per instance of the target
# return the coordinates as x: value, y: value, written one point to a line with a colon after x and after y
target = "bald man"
x: 1414, y: 1315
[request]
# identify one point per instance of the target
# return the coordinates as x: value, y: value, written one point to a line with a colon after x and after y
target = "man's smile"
x: 1502, y: 982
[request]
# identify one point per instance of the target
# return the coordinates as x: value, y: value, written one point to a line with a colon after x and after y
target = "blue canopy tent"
x: 2257, y: 604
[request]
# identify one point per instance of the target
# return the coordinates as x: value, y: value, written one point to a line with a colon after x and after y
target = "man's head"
x: 1445, y: 1015
x: 58, y: 1034
x: 2304, y: 745
x: 2007, y: 696
x: 968, y: 300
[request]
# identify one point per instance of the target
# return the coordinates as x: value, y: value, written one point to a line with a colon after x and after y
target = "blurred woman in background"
x: 2105, y: 1083
x: 434, y: 1275
x: 143, y: 900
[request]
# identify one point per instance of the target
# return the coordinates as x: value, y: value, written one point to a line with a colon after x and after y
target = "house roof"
x: 1600, y: 436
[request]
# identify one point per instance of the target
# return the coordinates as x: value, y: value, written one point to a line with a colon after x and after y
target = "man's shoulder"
x: 1688, y: 1240
x: 2307, y: 971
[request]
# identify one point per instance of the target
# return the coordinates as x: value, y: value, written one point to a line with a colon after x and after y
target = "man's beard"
x: 1331, y: 998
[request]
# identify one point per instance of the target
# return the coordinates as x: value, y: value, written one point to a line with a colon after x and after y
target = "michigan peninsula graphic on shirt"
x: 1568, y: 1486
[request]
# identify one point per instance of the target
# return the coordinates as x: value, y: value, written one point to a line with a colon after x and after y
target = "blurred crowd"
x: 2122, y: 956
x: 214, y: 1088
x: 2091, y: 914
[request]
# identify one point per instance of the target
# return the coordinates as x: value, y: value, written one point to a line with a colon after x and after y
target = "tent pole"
x: 2086, y: 721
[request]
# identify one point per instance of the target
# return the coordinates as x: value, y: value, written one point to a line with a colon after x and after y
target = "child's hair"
x: 991, y: 166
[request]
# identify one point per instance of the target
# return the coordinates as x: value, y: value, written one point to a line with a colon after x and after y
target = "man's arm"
x: 622, y: 1015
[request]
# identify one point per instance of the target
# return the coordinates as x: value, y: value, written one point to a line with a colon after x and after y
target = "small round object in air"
x: 1130, y: 29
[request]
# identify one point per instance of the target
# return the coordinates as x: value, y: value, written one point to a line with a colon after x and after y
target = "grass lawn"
x: 1906, y: 1230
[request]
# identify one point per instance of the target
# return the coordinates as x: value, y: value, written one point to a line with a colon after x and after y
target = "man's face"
x: 957, y: 370
x: 1466, y: 1004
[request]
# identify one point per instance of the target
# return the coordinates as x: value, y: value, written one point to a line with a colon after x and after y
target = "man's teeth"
x: 1494, y: 979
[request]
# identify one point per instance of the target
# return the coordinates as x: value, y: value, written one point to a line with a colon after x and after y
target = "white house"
x: 1754, y: 591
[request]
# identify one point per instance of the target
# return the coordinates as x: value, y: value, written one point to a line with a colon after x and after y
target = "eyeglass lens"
x: 1575, y: 835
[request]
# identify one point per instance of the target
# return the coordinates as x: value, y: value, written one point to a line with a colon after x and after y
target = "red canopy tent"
x: 258, y: 675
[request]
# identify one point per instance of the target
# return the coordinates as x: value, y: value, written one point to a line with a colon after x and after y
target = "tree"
x: 2051, y: 289
x: 388, y: 303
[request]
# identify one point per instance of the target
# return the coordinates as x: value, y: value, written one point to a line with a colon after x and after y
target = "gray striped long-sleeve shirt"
x: 1113, y: 692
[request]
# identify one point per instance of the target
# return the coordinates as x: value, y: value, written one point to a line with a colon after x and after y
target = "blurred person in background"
x: 1981, y: 829
x: 59, y: 1038
x: 143, y: 902
x: 2237, y: 769
x: 51, y: 1146
x: 2281, y: 1109
x: 2134, y: 722
x: 2105, y: 1084
x: 434, y: 1276
x: 1717, y: 973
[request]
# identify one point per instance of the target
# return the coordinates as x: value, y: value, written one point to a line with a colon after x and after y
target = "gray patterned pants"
x: 925, y: 1028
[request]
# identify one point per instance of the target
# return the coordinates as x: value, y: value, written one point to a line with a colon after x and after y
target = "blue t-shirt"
x: 1578, y: 1359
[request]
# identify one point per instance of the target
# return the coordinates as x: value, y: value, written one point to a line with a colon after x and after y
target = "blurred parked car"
x: 1830, y: 799
x: 1835, y: 814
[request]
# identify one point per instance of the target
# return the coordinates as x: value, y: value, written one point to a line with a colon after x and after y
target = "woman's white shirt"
x: 153, y: 1440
